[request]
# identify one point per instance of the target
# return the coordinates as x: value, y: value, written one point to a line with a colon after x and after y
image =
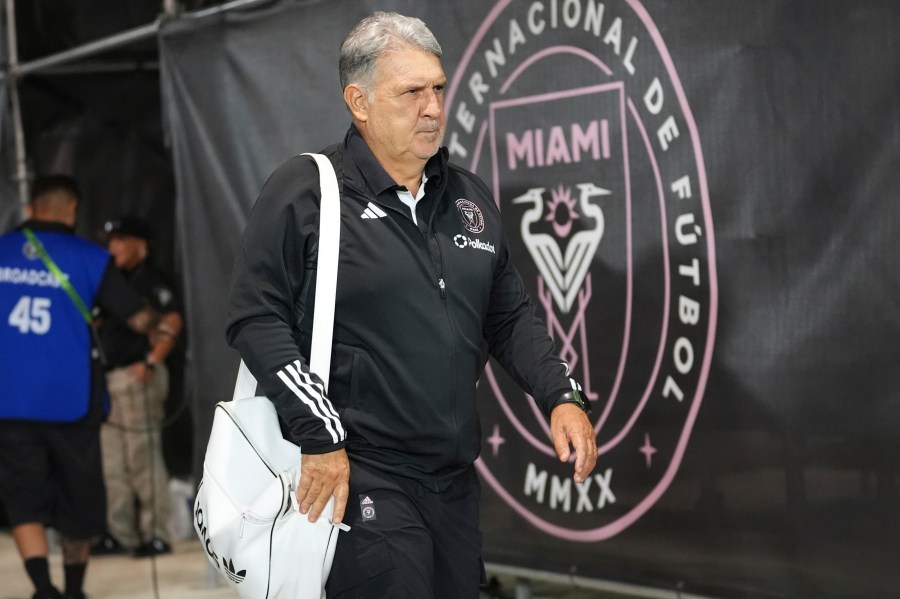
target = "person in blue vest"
x: 53, y: 393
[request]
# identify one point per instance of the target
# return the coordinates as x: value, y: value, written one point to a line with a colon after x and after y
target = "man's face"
x: 127, y: 251
x: 405, y: 117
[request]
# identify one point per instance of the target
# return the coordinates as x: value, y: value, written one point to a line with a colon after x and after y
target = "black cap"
x: 128, y: 226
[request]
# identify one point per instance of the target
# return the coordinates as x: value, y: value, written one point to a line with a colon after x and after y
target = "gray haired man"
x: 416, y: 318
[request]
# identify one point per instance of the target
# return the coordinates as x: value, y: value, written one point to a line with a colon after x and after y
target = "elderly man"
x: 416, y: 318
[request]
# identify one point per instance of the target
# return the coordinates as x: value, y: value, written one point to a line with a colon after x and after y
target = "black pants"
x: 408, y: 540
x: 51, y: 474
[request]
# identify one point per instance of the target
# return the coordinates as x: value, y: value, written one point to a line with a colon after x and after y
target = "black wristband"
x: 575, y: 398
x: 149, y: 363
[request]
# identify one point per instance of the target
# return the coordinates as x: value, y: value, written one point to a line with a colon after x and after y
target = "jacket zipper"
x: 440, y: 265
x: 443, y: 287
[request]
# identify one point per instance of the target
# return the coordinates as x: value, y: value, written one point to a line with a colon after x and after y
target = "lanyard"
x: 63, y: 279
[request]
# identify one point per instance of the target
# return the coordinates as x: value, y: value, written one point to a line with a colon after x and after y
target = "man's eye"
x: 439, y: 89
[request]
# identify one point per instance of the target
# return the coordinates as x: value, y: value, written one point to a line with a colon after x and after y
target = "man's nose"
x: 434, y: 103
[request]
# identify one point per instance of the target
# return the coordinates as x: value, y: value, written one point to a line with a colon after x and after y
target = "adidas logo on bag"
x: 236, y: 577
x: 373, y: 211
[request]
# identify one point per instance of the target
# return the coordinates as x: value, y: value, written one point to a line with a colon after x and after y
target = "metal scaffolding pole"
x: 102, y: 45
x: 51, y: 63
x: 123, y: 38
x: 21, y: 175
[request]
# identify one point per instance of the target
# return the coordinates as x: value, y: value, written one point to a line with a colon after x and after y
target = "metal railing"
x: 50, y: 64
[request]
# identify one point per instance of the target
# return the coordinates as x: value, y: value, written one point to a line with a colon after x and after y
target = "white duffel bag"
x: 246, y: 512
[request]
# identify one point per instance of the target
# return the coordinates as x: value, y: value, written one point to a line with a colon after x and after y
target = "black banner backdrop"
x: 701, y: 195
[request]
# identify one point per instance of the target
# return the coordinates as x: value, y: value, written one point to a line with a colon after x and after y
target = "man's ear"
x: 70, y: 214
x: 357, y: 101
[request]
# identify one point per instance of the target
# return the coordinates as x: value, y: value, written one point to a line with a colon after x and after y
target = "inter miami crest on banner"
x: 573, y: 111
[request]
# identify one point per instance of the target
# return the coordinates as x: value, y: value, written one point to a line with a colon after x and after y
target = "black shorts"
x: 408, y: 541
x: 52, y: 474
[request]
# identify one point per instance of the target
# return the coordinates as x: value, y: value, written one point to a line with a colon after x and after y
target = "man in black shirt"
x: 138, y: 384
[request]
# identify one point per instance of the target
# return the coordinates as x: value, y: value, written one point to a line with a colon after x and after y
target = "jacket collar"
x: 364, y: 170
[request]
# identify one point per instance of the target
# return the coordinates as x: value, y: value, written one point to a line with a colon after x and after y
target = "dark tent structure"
x: 730, y: 300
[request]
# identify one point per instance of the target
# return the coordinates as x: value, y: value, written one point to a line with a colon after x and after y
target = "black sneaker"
x: 107, y: 545
x: 78, y: 595
x: 154, y: 546
x: 51, y: 593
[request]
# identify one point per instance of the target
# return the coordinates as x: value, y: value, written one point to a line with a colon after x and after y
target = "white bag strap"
x: 326, y: 282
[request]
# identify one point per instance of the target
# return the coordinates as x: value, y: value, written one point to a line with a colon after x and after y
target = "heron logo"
x: 573, y: 112
x: 563, y: 273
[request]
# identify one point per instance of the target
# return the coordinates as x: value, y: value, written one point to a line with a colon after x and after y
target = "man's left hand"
x: 570, y: 427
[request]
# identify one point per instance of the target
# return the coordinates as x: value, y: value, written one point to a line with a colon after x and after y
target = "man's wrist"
x: 574, y: 397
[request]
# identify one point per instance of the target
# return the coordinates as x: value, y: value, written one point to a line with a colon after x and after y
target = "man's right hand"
x: 321, y: 476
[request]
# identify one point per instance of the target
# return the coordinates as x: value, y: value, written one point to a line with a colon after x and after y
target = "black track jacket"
x: 419, y: 308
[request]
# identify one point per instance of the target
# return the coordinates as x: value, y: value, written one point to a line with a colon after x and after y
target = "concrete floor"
x: 183, y: 574
x: 179, y: 575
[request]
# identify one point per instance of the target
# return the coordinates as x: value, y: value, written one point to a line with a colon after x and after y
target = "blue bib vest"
x: 45, y: 344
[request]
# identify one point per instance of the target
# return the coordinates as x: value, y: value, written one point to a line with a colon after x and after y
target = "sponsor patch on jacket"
x: 462, y: 242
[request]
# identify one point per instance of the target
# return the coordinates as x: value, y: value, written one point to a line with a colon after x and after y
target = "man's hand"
x: 569, y: 425
x: 141, y: 372
x: 321, y: 476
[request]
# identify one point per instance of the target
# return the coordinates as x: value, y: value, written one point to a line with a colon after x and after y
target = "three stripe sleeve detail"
x: 312, y: 395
